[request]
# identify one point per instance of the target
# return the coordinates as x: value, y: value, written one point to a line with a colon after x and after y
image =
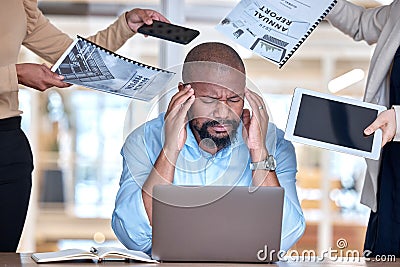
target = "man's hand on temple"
x: 255, y: 127
x: 176, y: 120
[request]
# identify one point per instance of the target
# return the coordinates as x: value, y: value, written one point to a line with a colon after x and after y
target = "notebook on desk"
x: 216, y: 223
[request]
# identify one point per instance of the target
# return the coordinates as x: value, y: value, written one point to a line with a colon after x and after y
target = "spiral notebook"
x: 274, y: 29
x: 90, y: 65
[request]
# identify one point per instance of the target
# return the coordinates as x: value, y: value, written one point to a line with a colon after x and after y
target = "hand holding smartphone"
x: 169, y: 32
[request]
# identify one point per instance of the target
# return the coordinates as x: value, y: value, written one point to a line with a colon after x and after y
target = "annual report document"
x: 90, y: 65
x: 274, y: 29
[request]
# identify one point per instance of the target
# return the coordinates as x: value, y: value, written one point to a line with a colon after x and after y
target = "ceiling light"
x: 346, y: 80
x: 385, y: 2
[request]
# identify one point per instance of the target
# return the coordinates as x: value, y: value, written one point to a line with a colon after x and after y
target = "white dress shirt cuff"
x: 397, y: 134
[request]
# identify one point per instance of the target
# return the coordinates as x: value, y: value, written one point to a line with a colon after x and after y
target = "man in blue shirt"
x: 205, y: 137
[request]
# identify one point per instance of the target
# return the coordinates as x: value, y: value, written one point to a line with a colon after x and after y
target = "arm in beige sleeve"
x: 8, y: 78
x: 358, y: 22
x: 43, y: 38
x: 114, y: 36
x: 49, y: 42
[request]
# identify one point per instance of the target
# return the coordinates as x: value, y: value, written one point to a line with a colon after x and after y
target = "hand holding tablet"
x: 333, y: 122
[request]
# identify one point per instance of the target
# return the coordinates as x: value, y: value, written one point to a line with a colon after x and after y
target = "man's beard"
x: 214, y: 141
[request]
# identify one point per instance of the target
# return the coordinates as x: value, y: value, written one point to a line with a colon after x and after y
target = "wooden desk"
x: 24, y: 260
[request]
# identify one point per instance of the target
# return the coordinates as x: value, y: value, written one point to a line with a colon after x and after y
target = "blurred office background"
x: 77, y: 133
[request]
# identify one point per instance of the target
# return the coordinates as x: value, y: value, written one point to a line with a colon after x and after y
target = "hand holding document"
x: 87, y: 64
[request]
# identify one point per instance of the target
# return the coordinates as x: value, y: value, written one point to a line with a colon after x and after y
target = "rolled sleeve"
x: 293, y: 225
x: 130, y: 221
x: 293, y: 222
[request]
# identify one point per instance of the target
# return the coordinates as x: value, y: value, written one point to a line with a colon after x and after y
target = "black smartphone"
x: 169, y: 32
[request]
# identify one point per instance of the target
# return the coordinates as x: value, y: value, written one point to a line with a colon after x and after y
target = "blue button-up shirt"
x: 230, y: 166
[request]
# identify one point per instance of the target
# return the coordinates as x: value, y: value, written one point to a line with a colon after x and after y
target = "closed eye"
x: 208, y: 100
x: 235, y: 99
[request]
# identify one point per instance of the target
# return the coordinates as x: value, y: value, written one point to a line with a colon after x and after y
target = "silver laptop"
x: 216, y: 223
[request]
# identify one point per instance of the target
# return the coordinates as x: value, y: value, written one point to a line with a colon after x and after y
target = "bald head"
x: 209, y: 62
x: 218, y: 53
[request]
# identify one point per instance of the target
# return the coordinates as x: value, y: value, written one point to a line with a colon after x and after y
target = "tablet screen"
x: 334, y: 122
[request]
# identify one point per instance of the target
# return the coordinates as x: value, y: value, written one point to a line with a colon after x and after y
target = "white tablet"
x: 333, y: 122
